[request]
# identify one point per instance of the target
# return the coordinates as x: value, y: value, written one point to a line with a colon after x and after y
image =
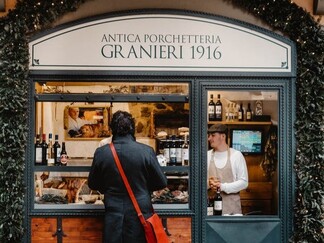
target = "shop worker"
x: 226, y: 170
x: 144, y: 175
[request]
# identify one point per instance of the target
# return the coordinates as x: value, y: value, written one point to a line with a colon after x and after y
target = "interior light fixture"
x: 318, y: 7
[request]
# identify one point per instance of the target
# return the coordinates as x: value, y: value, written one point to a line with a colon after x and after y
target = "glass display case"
x: 71, y: 120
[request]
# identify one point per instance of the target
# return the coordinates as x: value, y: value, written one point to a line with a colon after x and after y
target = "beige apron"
x: 231, y: 202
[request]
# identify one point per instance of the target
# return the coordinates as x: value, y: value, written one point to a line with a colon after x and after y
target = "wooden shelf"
x: 243, y: 123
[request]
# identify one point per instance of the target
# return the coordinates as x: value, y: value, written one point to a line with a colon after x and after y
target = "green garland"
x: 300, y: 27
x: 30, y: 16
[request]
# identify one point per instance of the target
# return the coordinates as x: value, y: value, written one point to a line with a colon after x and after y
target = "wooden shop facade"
x: 163, y: 66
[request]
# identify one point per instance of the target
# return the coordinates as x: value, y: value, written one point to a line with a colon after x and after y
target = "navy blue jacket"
x: 144, y: 175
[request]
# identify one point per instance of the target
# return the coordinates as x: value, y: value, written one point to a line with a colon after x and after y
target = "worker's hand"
x: 214, y: 183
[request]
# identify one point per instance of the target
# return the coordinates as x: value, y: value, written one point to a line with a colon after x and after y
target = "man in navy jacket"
x: 144, y: 175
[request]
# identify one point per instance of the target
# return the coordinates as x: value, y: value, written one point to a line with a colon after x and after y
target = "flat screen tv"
x: 248, y: 141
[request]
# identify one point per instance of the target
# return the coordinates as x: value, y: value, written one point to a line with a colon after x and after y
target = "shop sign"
x: 160, y: 42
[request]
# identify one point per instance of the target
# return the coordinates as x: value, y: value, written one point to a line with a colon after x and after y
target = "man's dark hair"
x: 122, y: 124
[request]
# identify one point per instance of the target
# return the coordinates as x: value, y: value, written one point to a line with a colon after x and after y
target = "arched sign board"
x: 162, y: 42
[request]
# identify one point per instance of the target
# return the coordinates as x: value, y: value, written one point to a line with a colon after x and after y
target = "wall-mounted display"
x: 248, y: 141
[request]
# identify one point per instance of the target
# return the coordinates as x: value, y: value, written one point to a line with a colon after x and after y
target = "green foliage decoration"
x: 28, y: 17
x: 31, y: 16
x: 308, y: 34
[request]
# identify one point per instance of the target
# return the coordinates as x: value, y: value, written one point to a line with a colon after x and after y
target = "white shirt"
x: 105, y: 141
x: 239, y: 169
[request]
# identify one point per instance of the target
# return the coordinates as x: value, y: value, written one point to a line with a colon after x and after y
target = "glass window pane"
x: 84, y: 126
x: 251, y: 118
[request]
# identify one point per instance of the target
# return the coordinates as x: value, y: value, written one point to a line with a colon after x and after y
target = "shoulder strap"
x: 126, y: 183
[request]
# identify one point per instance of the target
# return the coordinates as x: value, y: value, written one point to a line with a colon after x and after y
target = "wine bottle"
x: 249, y: 113
x: 227, y: 112
x: 231, y: 112
x: 173, y: 152
x: 44, y: 150
x: 218, y: 203
x: 50, y: 150
x: 241, y: 113
x: 38, y: 151
x: 166, y: 150
x: 185, y: 151
x: 57, y: 151
x: 236, y: 112
x: 211, y: 109
x: 218, y: 109
x: 210, y: 206
x: 64, y: 156
x: 179, y: 151
x: 161, y: 147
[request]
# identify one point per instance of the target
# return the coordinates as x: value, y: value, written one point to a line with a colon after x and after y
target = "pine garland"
x: 30, y: 16
x: 300, y: 27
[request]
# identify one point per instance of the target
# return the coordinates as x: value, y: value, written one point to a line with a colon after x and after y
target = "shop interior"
x: 162, y: 114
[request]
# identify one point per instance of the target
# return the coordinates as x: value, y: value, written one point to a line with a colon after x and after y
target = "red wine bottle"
x: 218, y: 203
x: 57, y: 151
x: 38, y: 151
x: 211, y: 109
x: 44, y: 150
x: 218, y: 109
x: 64, y: 156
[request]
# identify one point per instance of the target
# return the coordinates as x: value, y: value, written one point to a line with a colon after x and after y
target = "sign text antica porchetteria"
x: 160, y: 46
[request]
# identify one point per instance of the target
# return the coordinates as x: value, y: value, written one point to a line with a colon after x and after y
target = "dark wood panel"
x: 43, y: 229
x: 255, y: 207
x: 257, y: 190
x: 257, y: 198
x: 90, y: 230
x: 180, y: 230
x: 82, y: 230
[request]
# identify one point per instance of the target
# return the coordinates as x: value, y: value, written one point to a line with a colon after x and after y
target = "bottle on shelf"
x: 218, y: 203
x: 227, y: 111
x: 64, y: 156
x: 161, y: 146
x: 210, y: 206
x: 179, y: 151
x: 236, y: 112
x: 38, y: 151
x: 166, y: 150
x: 44, y: 150
x: 50, y: 150
x: 231, y: 113
x: 57, y: 151
x: 211, y: 109
x: 249, y: 113
x: 218, y: 109
x: 185, y: 151
x: 241, y: 113
x: 173, y: 151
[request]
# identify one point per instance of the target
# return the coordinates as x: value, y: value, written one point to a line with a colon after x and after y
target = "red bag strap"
x: 126, y: 183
